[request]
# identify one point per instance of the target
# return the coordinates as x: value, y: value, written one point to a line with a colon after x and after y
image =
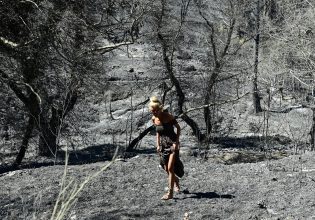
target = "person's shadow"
x: 206, y: 195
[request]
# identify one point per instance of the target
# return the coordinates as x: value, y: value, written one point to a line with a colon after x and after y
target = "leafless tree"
x: 53, y: 52
x: 219, y: 45
x: 256, y: 97
x: 168, y: 40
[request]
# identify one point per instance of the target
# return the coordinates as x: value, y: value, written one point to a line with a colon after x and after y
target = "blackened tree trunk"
x: 180, y: 95
x: 169, y: 67
x: 50, y: 126
x: 312, y: 133
x: 27, y: 135
x: 207, y: 100
x: 256, y: 97
x: 218, y: 62
x: 47, y: 145
x: 40, y: 42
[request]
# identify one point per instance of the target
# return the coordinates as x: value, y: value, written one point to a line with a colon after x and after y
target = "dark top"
x: 167, y: 129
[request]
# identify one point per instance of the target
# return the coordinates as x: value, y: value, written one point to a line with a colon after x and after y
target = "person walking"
x: 167, y: 141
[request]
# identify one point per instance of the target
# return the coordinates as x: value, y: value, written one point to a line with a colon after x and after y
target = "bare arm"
x: 158, y: 139
x: 177, y: 127
x: 158, y: 147
x: 177, y: 132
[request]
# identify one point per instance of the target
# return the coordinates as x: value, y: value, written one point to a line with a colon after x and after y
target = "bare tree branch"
x: 212, y: 104
x: 7, y: 43
x: 15, y: 88
x: 108, y: 48
x: 228, y: 42
x: 26, y: 1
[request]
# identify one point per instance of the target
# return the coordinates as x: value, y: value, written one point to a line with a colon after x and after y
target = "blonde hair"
x: 155, y: 103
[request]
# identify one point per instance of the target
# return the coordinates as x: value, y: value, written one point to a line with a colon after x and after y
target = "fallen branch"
x: 137, y: 139
x: 151, y: 128
x: 290, y: 108
x: 108, y: 48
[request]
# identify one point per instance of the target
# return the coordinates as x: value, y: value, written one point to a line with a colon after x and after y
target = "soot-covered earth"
x: 218, y: 184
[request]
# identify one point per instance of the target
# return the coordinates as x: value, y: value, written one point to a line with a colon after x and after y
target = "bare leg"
x: 176, y: 184
x: 176, y: 187
x: 171, y: 174
x: 176, y: 180
x: 165, y: 168
x: 171, y: 177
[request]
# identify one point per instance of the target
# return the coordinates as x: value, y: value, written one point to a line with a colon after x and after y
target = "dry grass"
x: 70, y: 191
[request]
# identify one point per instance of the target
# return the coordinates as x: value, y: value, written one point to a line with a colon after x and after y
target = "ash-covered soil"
x: 131, y: 188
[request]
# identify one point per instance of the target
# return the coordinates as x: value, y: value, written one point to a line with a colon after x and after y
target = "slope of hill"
x: 132, y: 188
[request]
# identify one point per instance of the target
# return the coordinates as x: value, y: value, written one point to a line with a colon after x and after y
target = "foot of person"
x: 177, y: 187
x: 168, y: 195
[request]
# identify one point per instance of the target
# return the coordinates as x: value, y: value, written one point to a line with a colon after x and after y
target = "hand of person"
x: 158, y: 149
